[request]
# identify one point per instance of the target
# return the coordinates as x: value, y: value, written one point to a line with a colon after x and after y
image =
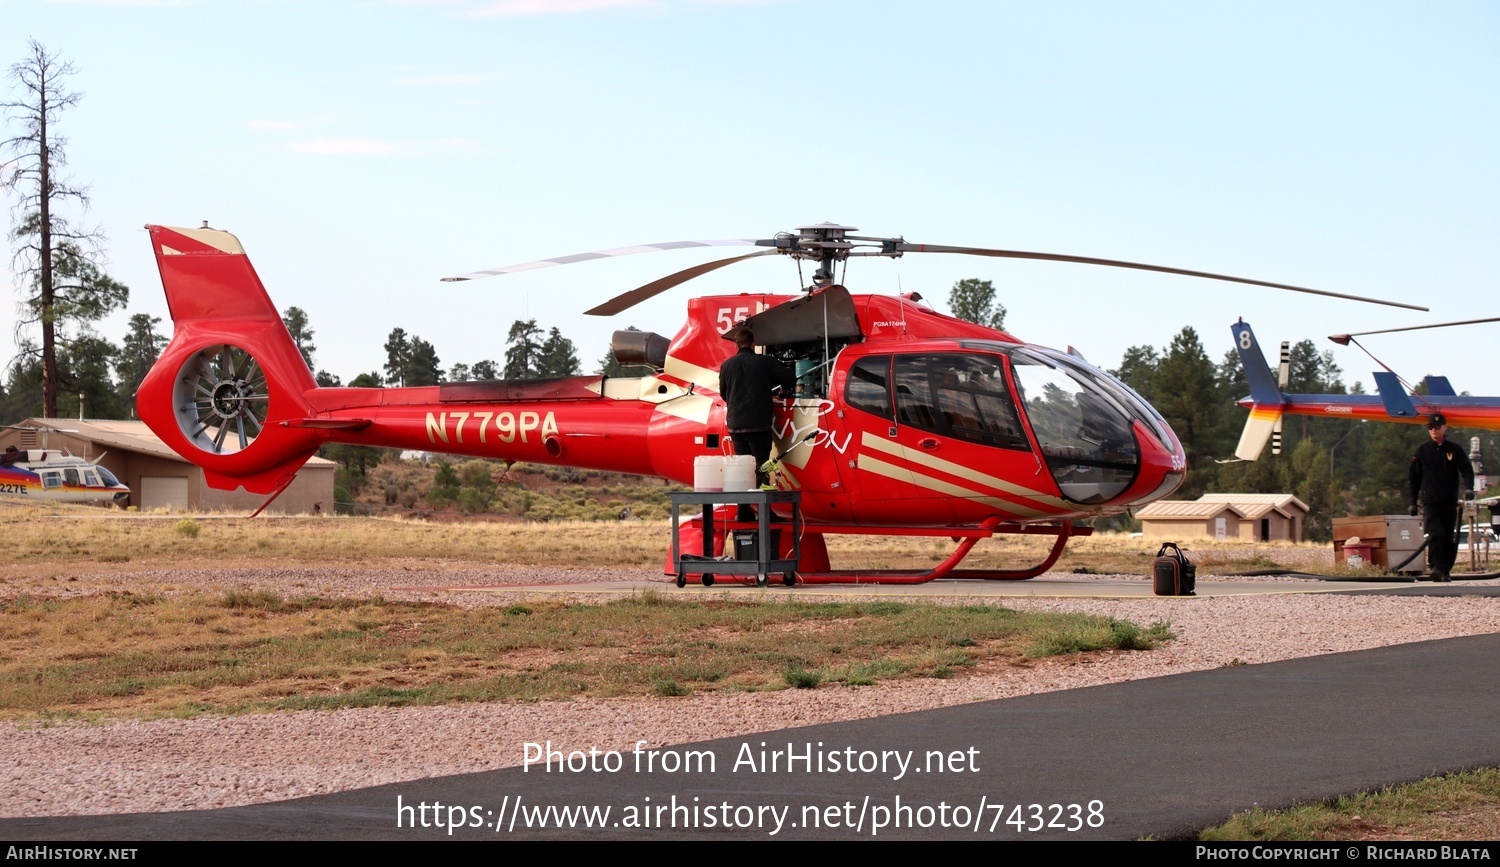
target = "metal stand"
x: 767, y: 560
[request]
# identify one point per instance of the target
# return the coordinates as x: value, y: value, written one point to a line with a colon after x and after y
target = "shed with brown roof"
x: 1277, y: 517
x: 1243, y: 517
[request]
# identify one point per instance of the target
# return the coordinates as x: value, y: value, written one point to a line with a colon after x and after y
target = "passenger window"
x: 51, y: 479
x: 914, y: 403
x: 867, y: 388
x: 70, y: 477
x: 962, y: 396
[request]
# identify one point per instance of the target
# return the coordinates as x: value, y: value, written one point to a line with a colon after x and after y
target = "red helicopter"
x: 905, y: 422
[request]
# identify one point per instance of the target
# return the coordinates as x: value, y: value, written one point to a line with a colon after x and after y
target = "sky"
x: 363, y: 150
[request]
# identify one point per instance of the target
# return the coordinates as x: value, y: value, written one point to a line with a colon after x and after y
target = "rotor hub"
x: 229, y: 397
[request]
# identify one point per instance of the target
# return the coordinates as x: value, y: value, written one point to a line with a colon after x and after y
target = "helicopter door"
x: 964, y: 438
x: 880, y: 483
x: 944, y: 443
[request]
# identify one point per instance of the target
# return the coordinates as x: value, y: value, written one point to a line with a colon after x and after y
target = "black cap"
x: 1436, y: 420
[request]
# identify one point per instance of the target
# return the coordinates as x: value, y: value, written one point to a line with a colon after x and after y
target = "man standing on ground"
x: 747, y: 381
x: 1440, y: 472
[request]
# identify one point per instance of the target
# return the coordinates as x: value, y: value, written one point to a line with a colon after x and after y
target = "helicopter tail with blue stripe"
x: 1267, y: 402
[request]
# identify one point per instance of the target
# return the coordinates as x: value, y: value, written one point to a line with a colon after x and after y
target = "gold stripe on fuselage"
x: 875, y: 465
x: 872, y: 441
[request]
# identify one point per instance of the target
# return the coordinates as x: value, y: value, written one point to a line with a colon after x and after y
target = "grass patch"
x: 1450, y: 807
x: 258, y: 600
x: 249, y: 650
x: 1079, y: 635
x: 669, y: 688
x: 798, y: 677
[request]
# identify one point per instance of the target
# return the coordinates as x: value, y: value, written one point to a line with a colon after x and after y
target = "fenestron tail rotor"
x: 830, y: 243
x: 221, y: 398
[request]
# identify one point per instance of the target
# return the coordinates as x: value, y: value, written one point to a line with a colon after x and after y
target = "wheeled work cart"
x: 765, y: 560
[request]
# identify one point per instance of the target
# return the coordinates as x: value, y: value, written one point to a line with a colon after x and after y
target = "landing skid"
x: 946, y: 569
x: 813, y: 549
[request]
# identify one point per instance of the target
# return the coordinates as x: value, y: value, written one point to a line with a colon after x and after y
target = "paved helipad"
x: 1053, y: 587
x: 1163, y: 757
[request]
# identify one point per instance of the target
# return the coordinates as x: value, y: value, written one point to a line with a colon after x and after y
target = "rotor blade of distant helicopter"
x: 600, y: 254
x: 907, y: 247
x: 627, y: 300
x: 1343, y: 339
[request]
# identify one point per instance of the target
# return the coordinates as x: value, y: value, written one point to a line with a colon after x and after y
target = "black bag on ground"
x: 1171, y: 572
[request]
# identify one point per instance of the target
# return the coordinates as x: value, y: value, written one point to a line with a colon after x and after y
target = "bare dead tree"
x: 56, y: 260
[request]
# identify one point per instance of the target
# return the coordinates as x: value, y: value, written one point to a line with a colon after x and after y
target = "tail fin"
x: 1259, y: 427
x: 1266, y: 399
x: 221, y: 391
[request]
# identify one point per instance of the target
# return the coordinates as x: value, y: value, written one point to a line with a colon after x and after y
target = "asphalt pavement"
x: 1161, y: 757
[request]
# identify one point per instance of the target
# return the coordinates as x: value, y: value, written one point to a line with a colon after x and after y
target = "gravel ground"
x: 218, y: 762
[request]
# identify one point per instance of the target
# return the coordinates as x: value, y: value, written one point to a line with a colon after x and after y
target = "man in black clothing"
x: 748, y: 383
x: 1440, y: 472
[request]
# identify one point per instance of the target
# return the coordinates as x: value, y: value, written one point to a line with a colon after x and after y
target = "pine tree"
x: 397, y: 357
x: 523, y: 357
x: 143, y: 344
x: 295, y: 319
x: 423, y: 366
x: 59, y: 261
x: 1187, y: 395
x: 558, y: 356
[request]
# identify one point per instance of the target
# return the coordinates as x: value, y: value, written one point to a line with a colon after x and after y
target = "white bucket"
x: 739, y: 473
x: 708, y: 473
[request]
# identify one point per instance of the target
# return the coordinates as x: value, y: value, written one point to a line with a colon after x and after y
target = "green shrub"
x: 798, y: 677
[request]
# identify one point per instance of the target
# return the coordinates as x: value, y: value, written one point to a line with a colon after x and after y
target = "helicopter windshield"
x: 1133, y: 404
x: 1082, y: 425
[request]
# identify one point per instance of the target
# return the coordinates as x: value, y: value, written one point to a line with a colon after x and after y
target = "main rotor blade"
x: 906, y: 247
x: 1343, y: 339
x: 600, y: 254
x: 629, y: 299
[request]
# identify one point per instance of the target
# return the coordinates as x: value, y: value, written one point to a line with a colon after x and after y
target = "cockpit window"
x: 1133, y: 404
x: 963, y: 396
x: 108, y: 477
x: 1084, y: 431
